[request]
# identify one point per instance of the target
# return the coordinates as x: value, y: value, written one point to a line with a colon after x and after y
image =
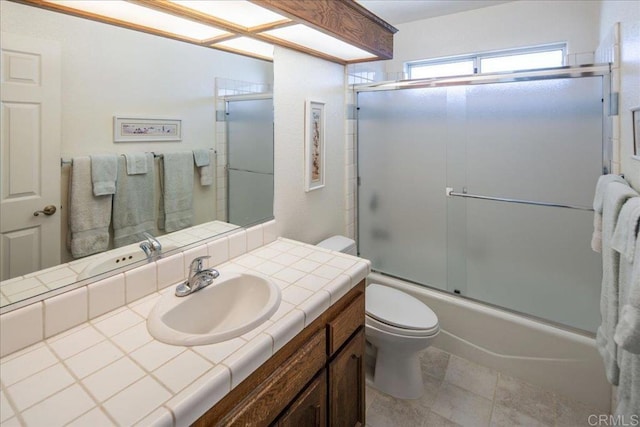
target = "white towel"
x: 176, y: 197
x: 201, y: 157
x: 615, y: 195
x: 133, y: 204
x: 627, y: 334
x: 104, y: 171
x: 137, y: 163
x: 598, y: 199
x: 207, y: 173
x: 89, y: 216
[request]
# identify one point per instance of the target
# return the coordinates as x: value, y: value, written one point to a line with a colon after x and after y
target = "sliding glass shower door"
x: 524, y: 141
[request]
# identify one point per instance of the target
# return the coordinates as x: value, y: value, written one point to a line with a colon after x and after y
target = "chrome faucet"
x: 151, y: 246
x: 198, y: 277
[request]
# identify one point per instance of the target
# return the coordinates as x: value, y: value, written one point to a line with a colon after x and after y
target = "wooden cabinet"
x: 346, y: 379
x: 316, y: 380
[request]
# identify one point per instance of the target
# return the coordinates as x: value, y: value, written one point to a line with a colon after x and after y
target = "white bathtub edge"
x: 560, y: 360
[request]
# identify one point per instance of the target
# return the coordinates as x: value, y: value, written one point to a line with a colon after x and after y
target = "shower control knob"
x: 48, y: 210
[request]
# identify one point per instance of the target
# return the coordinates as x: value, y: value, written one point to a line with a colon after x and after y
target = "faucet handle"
x: 196, y: 264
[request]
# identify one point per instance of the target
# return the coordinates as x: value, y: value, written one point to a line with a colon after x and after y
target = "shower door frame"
x: 609, y: 109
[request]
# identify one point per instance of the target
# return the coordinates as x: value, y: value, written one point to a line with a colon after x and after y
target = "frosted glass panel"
x: 250, y: 135
x: 250, y: 161
x: 402, y: 164
x: 252, y: 199
x: 529, y: 140
x: 535, y: 140
x: 535, y: 260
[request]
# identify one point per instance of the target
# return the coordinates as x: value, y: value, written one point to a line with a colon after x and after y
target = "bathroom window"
x: 529, y: 58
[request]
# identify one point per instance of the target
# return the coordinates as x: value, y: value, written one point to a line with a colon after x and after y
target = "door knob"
x: 48, y: 210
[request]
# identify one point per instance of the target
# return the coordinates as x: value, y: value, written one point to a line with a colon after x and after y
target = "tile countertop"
x: 109, y: 371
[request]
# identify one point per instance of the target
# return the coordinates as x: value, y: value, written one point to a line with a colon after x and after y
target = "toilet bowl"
x: 398, y: 326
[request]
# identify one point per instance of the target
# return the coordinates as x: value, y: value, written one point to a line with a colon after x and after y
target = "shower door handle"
x: 451, y: 193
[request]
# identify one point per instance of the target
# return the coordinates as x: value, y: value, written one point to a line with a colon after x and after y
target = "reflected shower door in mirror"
x: 250, y: 159
x: 112, y: 71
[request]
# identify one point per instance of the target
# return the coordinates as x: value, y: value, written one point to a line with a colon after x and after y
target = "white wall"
x: 308, y: 217
x: 508, y: 25
x: 626, y: 75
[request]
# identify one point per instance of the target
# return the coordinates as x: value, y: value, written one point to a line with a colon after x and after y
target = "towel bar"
x: 452, y: 193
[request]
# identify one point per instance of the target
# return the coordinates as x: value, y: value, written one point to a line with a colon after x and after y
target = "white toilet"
x: 399, y: 326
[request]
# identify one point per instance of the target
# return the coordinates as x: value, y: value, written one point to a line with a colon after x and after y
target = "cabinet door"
x: 346, y: 384
x: 310, y: 408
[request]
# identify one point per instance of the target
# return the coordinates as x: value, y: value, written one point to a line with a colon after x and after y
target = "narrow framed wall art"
x: 134, y: 129
x: 314, y: 145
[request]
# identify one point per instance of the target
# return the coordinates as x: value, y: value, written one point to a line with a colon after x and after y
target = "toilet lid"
x: 398, y: 309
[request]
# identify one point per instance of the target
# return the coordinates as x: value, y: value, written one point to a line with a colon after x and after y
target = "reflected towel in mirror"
x: 104, y: 171
x: 133, y: 204
x: 176, y: 195
x: 89, y: 215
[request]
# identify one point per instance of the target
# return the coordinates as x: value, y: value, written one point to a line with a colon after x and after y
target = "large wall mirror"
x: 222, y: 100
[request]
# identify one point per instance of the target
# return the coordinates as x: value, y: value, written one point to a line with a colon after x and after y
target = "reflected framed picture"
x: 314, y: 145
x: 135, y: 129
x: 635, y: 119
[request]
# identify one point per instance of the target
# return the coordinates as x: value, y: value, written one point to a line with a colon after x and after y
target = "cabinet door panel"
x: 310, y: 408
x: 346, y: 384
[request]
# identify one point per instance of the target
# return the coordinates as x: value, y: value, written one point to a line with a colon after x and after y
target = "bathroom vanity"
x: 86, y: 357
x: 317, y: 379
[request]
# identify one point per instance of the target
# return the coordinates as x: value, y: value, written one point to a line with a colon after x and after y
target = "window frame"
x: 477, y: 58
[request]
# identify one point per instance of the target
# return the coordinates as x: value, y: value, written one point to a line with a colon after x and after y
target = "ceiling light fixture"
x: 341, y: 31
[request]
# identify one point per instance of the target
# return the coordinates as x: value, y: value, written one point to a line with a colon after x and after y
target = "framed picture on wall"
x: 635, y: 119
x: 314, y: 147
x: 132, y: 129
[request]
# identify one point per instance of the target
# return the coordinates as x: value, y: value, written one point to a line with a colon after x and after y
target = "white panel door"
x: 29, y: 154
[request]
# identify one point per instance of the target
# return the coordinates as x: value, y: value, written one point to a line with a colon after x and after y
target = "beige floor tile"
x: 434, y: 362
x: 509, y: 417
x: 472, y: 377
x: 386, y: 412
x: 462, y: 406
x: 526, y: 398
x: 573, y: 413
x: 435, y: 420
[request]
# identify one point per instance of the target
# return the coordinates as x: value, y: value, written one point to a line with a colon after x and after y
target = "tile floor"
x: 462, y: 393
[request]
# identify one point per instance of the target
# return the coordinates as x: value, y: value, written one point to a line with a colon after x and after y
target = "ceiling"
x: 402, y: 11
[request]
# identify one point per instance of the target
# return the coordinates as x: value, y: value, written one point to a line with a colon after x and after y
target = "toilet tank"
x: 341, y: 244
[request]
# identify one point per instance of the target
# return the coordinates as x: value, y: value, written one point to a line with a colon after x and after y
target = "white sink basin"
x: 117, y: 258
x: 234, y: 304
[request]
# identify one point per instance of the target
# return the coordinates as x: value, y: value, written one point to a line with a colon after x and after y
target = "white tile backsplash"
x: 255, y: 237
x: 106, y: 295
x: 140, y: 282
x: 65, y: 311
x: 171, y: 270
x: 237, y: 244
x: 21, y: 328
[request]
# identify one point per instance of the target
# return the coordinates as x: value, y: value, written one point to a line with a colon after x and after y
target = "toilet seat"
x: 416, y: 333
x: 398, y: 312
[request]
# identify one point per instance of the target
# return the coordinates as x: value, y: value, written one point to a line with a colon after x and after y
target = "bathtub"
x: 560, y: 360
